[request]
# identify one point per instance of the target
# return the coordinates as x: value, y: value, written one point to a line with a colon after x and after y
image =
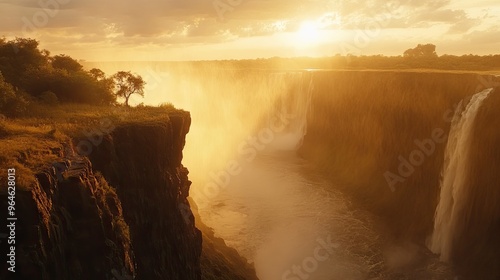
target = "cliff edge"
x: 102, y: 197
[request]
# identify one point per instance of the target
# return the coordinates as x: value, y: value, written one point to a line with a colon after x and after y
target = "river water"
x: 293, y: 224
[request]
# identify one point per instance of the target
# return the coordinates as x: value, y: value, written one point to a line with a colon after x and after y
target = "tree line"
x: 29, y: 74
x: 423, y: 56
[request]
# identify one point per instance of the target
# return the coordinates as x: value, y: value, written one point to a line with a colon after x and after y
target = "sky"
x: 153, y: 30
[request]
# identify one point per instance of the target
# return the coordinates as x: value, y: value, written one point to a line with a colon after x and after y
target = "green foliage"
x: 17, y: 56
x: 427, y: 50
x: 70, y: 87
x: 167, y: 105
x: 12, y: 104
x: 97, y: 74
x: 35, y: 72
x: 66, y: 63
x: 49, y: 98
x: 348, y: 61
x: 127, y: 84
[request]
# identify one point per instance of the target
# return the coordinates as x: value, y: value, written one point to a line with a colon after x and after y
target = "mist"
x: 263, y: 182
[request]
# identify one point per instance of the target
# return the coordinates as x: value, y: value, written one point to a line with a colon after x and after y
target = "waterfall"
x: 453, y: 197
x: 294, y: 92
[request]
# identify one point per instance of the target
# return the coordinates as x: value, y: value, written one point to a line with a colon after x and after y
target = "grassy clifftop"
x: 32, y: 142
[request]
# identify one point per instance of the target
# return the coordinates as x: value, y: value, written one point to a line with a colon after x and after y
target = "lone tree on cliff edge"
x: 127, y: 84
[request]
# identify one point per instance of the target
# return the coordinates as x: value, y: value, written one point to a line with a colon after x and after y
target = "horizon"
x: 248, y: 29
x: 266, y: 58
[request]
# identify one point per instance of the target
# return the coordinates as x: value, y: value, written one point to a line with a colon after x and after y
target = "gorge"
x: 282, y: 163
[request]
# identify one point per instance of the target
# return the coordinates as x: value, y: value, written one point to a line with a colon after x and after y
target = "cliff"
x: 143, y: 162
x: 62, y: 221
x: 363, y: 125
x: 381, y: 136
x: 108, y: 202
x: 477, y: 246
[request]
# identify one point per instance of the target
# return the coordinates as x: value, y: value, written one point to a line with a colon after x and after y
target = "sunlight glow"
x: 313, y: 33
x: 308, y: 33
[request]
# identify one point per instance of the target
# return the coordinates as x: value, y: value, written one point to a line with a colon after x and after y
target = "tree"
x: 33, y: 72
x: 127, y: 84
x: 66, y: 63
x: 97, y: 74
x: 105, y: 86
x: 17, y: 56
x: 427, y: 50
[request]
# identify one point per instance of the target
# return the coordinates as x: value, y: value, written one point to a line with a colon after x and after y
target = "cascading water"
x: 453, y: 197
x: 293, y: 92
x: 283, y: 217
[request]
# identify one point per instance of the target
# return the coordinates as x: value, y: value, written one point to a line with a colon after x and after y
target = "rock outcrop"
x: 120, y: 212
x: 70, y: 226
x: 143, y: 162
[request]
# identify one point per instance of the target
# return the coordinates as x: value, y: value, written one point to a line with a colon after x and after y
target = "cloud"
x: 128, y: 23
x: 458, y: 20
x: 155, y: 17
x: 463, y: 26
x: 489, y: 36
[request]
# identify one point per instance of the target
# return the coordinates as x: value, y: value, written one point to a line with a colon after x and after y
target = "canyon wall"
x: 143, y: 162
x: 119, y: 212
x: 70, y: 227
x: 477, y: 243
x: 381, y: 136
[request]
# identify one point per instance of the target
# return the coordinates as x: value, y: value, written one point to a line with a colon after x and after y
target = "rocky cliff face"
x: 120, y: 213
x: 70, y: 226
x: 365, y: 128
x: 143, y: 162
x: 477, y: 246
x: 381, y: 137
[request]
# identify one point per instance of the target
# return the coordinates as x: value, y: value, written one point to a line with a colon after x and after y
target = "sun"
x: 308, y: 33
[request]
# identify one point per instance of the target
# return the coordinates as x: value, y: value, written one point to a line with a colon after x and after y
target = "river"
x: 293, y: 224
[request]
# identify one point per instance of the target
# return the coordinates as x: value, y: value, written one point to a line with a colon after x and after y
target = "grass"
x: 42, y: 136
x: 27, y: 149
x: 72, y: 118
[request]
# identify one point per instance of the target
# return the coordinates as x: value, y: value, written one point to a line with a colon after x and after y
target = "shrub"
x: 49, y: 98
x: 167, y: 105
x: 12, y: 104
